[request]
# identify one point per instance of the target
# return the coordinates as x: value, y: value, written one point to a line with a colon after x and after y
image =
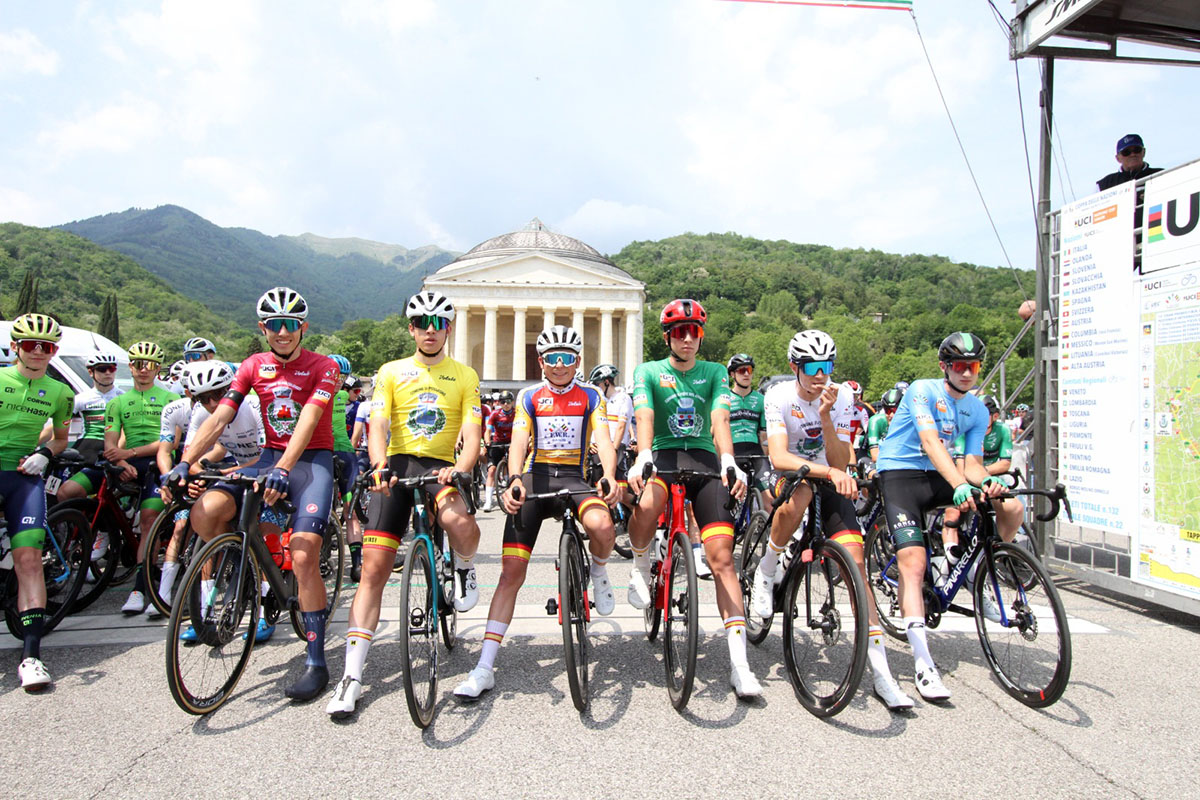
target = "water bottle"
x: 275, y: 546
x: 940, y: 567
x: 286, y: 541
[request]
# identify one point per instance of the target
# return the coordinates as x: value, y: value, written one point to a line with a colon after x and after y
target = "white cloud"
x: 115, y: 128
x: 397, y: 16
x: 22, y: 52
x: 18, y: 206
x: 608, y: 225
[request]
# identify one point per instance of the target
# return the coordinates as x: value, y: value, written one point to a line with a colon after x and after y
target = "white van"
x: 69, y: 364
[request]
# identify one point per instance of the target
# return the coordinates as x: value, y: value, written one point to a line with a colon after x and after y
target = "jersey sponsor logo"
x: 377, y: 404
x: 699, y: 381
x: 311, y: 508
x: 266, y: 371
x: 685, y: 421
x: 321, y: 394
x: 282, y: 414
x: 28, y: 520
x: 942, y: 407
x: 450, y: 378
x: 544, y: 404
x: 426, y: 420
x: 797, y: 413
x: 574, y: 404
x: 41, y: 392
x: 666, y: 381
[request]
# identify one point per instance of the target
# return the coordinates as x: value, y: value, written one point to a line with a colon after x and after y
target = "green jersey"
x: 746, y: 419
x: 138, y: 414
x: 341, y: 440
x: 682, y: 402
x: 997, y: 444
x: 24, y: 407
x: 877, y: 428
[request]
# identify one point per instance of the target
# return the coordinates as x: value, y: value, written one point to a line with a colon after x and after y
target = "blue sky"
x: 446, y: 123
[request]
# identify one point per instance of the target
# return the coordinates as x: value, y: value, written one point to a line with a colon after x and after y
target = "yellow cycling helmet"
x: 35, y: 326
x: 147, y: 351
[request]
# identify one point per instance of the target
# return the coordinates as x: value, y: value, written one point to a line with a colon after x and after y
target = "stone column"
x: 489, y: 343
x: 633, y: 344
x: 547, y: 318
x: 462, y: 335
x: 518, y: 343
x: 577, y: 321
x: 606, y: 336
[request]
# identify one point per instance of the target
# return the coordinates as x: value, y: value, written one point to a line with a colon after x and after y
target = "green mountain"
x: 75, y: 276
x: 886, y: 312
x: 228, y: 268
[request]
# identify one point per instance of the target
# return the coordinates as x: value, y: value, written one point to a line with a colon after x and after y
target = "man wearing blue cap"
x: 1131, y: 155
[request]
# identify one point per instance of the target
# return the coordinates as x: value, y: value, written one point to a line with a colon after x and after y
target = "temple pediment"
x: 533, y: 269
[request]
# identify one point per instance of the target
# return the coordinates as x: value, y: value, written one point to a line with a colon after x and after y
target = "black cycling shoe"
x: 311, y: 684
x: 356, y: 573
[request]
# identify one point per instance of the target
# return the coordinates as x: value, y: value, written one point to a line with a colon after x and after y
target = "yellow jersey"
x: 425, y: 406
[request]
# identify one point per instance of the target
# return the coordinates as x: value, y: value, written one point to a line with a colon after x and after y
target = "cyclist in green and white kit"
x: 28, y: 397
x: 343, y: 451
x: 682, y: 410
x: 747, y: 422
x: 877, y: 425
x: 91, y: 403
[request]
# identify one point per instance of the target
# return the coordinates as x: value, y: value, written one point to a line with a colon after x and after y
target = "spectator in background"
x: 1131, y: 155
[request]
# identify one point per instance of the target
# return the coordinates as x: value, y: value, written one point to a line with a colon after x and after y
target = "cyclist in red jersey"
x: 295, y: 388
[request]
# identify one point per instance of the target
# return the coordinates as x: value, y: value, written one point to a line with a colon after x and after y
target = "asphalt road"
x: 1125, y: 728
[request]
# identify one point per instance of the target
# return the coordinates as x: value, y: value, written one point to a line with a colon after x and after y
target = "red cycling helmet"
x: 682, y: 312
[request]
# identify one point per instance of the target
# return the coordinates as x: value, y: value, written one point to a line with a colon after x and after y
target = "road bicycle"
x: 572, y: 605
x: 1026, y: 642
x: 427, y: 597
x: 823, y: 600
x: 220, y: 596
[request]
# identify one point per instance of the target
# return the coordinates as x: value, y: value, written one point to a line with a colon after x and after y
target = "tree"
x: 27, y: 299
x: 254, y: 346
x: 110, y: 326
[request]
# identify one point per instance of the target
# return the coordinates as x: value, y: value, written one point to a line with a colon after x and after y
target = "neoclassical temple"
x: 511, y: 287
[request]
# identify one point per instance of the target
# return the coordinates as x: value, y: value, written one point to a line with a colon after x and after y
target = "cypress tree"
x: 27, y: 298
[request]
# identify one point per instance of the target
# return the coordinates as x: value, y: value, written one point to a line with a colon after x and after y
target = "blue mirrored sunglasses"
x: 425, y: 322
x: 811, y: 368
x: 279, y: 323
x: 193, y: 356
x: 560, y: 359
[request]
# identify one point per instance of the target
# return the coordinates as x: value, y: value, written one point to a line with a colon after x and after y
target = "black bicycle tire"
x: 151, y: 571
x: 876, y: 551
x: 681, y: 691
x: 331, y: 542
x: 835, y: 554
x: 447, y: 613
x: 58, y: 604
x: 189, y: 591
x: 573, y: 612
x: 103, y: 572
x: 418, y: 559
x: 1053, y: 691
x: 750, y: 552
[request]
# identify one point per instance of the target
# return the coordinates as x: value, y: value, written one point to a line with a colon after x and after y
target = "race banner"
x: 883, y: 5
x: 1171, y: 228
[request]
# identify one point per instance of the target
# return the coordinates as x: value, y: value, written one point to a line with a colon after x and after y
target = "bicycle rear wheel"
x: 333, y: 568
x: 65, y: 555
x: 161, y: 534
x: 1030, y: 651
x: 202, y: 675
x: 1026, y: 541
x: 573, y: 617
x: 418, y: 634
x: 753, y: 546
x: 447, y: 613
x: 883, y: 579
x: 100, y: 569
x: 825, y: 630
x: 681, y: 630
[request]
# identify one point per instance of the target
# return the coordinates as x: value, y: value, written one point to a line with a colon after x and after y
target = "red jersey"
x: 858, y: 421
x: 284, y: 390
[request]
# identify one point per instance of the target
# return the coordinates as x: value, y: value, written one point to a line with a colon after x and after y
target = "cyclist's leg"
x: 1009, y: 514
x: 25, y: 508
x: 785, y: 522
x: 642, y: 523
x: 462, y: 530
x: 311, y: 491
x: 951, y: 519
x: 597, y: 522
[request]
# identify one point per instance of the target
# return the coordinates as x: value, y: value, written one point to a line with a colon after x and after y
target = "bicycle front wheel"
x: 100, y: 567
x: 681, y: 628
x: 1026, y: 641
x: 825, y: 630
x: 218, y: 596
x: 418, y: 633
x: 883, y: 579
x: 65, y: 556
x: 161, y: 534
x: 573, y: 617
x: 753, y: 546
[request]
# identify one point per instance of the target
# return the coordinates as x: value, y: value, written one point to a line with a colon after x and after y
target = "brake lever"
x: 462, y: 482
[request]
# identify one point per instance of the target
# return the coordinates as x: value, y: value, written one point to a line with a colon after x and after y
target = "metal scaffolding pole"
x: 1042, y: 422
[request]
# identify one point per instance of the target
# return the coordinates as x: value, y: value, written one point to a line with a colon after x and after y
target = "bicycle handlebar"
x: 459, y: 480
x: 561, y: 494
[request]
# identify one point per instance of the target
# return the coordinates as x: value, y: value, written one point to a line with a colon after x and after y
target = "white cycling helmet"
x: 198, y: 344
x: 207, y: 376
x: 282, y: 302
x: 176, y: 370
x: 811, y: 346
x: 96, y: 359
x: 431, y: 304
x: 559, y: 337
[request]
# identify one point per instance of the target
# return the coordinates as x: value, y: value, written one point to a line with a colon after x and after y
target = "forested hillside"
x: 886, y: 312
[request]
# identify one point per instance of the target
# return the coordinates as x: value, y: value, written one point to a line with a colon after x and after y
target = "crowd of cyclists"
x: 287, y: 414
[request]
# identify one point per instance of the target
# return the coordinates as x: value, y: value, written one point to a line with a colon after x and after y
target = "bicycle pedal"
x: 552, y: 607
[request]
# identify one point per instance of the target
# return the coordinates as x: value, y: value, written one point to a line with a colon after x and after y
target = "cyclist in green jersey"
x: 877, y: 426
x: 136, y: 415
x: 27, y: 399
x: 91, y: 403
x: 682, y: 410
x: 748, y: 422
x: 997, y: 460
x: 343, y: 451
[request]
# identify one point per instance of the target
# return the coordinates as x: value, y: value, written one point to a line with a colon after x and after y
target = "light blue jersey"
x: 927, y: 405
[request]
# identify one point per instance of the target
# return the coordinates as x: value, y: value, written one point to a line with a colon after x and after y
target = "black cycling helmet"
x: 505, y: 397
x: 961, y: 346
x: 990, y: 403
x: 891, y: 399
x: 603, y: 372
x: 739, y: 360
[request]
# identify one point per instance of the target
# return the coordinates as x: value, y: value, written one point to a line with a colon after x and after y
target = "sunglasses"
x: 691, y: 330
x: 193, y: 356
x: 210, y: 397
x: 37, y: 346
x: 811, y: 368
x: 141, y: 363
x: 1132, y: 151
x: 744, y: 370
x: 965, y: 367
x: 560, y: 359
x: 277, y: 324
x: 104, y: 368
x: 427, y: 321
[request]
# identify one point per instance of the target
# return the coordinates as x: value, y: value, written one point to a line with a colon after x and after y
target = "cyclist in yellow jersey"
x: 425, y: 401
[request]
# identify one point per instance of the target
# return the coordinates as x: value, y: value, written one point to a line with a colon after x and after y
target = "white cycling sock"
x: 770, y: 559
x: 358, y: 644
x: 735, y: 633
x: 599, y: 566
x: 492, y: 637
x: 914, y: 628
x: 206, y: 590
x: 464, y: 562
x: 641, y: 559
x: 876, y: 654
x: 489, y: 495
x: 167, y: 581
